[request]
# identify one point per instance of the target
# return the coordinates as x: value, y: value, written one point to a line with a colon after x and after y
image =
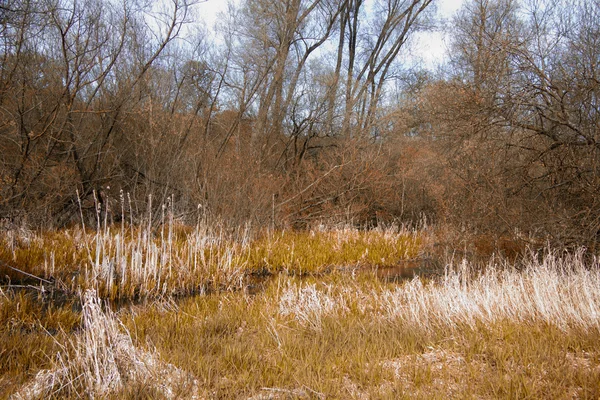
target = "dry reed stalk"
x: 562, y: 291
x: 102, y: 361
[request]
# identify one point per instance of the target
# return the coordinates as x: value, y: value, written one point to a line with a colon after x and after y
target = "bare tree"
x: 70, y: 72
x: 373, y: 48
x: 528, y: 137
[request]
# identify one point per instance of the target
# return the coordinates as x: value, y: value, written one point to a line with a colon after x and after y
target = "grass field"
x: 201, y: 312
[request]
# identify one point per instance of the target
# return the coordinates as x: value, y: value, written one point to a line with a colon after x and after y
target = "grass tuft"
x: 102, y: 361
x: 559, y: 291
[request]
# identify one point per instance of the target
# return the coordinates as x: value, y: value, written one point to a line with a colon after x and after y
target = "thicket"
x: 302, y: 111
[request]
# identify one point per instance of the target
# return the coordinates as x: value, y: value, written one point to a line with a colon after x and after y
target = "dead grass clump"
x: 142, y: 263
x: 561, y: 291
x: 123, y: 263
x: 101, y: 361
x: 309, y: 305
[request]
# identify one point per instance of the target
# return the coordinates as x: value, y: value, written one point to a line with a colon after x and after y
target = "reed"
x: 322, y: 323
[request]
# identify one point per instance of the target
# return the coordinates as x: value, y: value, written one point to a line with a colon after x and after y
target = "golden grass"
x: 336, y: 337
x: 321, y: 324
x: 122, y: 263
x: 322, y: 250
x: 30, y: 332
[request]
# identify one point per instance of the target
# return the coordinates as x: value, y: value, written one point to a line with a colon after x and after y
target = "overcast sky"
x: 429, y: 46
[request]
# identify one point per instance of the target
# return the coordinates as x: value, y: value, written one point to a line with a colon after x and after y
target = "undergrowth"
x: 320, y: 322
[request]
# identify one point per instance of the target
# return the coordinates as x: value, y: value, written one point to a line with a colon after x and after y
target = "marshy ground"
x: 200, y: 312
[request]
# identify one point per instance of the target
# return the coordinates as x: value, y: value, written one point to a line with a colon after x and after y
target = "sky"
x: 429, y: 47
x: 209, y: 9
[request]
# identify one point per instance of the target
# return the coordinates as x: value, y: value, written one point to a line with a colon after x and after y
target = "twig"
x: 10, y: 286
x: 24, y: 273
x: 319, y: 179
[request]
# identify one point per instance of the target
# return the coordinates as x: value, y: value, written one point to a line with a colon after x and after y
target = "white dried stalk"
x: 558, y: 290
x: 102, y: 361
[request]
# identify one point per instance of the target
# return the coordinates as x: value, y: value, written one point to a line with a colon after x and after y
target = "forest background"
x: 302, y: 112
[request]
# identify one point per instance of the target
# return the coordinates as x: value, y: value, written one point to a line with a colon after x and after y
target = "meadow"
x: 173, y: 311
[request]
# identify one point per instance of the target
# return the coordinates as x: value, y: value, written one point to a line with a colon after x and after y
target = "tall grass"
x: 560, y: 291
x: 144, y: 263
x: 130, y: 262
x: 102, y: 360
x: 471, y: 333
x: 323, y: 323
x: 324, y: 249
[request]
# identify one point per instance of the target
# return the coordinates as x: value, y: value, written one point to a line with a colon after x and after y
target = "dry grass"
x: 322, y: 249
x: 558, y: 291
x: 128, y: 263
x: 102, y: 360
x: 355, y: 337
x: 314, y: 328
x: 122, y: 263
x: 30, y: 332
